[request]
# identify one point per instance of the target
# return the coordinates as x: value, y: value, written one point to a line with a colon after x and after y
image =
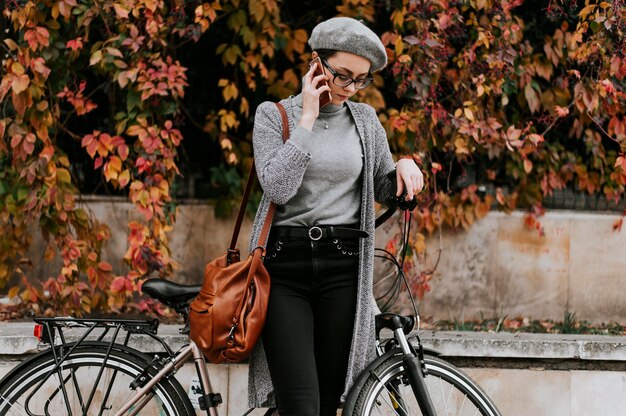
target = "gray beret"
x: 349, y: 35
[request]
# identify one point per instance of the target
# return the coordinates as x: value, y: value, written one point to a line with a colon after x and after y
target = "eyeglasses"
x: 342, y: 80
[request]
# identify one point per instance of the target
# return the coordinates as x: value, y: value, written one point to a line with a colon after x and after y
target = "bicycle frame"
x: 174, y: 364
x: 51, y: 327
x: 414, y: 369
x: 414, y: 363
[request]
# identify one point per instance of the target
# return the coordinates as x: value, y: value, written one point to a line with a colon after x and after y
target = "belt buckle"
x: 318, y: 233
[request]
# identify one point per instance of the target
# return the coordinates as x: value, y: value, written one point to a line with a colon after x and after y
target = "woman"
x: 319, y: 332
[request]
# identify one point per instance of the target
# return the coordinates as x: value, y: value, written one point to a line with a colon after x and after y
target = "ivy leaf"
x: 231, y: 53
x: 124, y: 178
x: 112, y: 168
x: 47, y: 153
x: 122, y: 150
x: 561, y: 111
x: 461, y: 146
x: 532, y: 97
x: 120, y: 11
x: 528, y: 166
x: 257, y: 10
x: 95, y: 58
x: 20, y: 83
x: 90, y: 142
x: 37, y: 37
x: 586, y: 11
x: 118, y: 285
x: 63, y: 175
x: 133, y: 100
x: 11, y: 44
x: 535, y: 139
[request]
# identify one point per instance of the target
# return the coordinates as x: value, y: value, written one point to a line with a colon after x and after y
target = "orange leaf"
x: 75, y: 44
x: 105, y: 266
x: 20, y: 83
x: 113, y: 167
x: 120, y: 11
x: 39, y: 65
x: 47, y: 153
x: 124, y: 178
x: 90, y: 141
x: 118, y: 284
x: 528, y: 165
x: 134, y: 130
x: 122, y: 150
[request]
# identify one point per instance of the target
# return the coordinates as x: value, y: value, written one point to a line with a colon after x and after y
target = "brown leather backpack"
x: 227, y: 316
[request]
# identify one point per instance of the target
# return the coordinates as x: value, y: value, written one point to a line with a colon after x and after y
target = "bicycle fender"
x: 430, y: 351
x: 348, y: 406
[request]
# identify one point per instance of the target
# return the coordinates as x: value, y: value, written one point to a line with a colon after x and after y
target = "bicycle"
x: 106, y: 376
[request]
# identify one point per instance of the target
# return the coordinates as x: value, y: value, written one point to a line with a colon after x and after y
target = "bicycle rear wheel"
x: 87, y: 383
x: 387, y: 391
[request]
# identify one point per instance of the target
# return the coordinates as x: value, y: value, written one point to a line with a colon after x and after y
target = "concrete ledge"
x: 527, y: 346
x: 17, y: 339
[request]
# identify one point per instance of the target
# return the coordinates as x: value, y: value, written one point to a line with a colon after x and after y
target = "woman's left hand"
x: 409, y: 177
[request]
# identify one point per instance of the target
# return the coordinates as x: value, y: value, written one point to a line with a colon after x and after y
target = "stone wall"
x: 498, y: 267
x: 524, y: 374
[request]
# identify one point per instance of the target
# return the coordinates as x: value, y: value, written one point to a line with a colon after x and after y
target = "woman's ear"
x: 314, y: 55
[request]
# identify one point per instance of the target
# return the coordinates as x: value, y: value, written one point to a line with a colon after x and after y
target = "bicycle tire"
x: 33, y: 388
x: 387, y: 391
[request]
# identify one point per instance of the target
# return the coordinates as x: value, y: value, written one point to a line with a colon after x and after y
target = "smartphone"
x: 325, y: 97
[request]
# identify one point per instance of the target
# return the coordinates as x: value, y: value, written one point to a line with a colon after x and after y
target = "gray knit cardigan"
x: 280, y: 168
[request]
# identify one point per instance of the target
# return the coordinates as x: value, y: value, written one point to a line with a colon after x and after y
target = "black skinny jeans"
x: 310, y: 319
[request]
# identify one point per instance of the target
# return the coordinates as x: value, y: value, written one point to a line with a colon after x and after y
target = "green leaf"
x: 21, y: 194
x: 133, y: 100
x: 63, y: 175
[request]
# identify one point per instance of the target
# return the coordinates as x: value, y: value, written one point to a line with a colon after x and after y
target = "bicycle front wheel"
x: 387, y: 391
x: 88, y: 382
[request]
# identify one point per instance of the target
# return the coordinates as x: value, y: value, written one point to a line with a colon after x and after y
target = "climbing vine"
x: 501, y: 103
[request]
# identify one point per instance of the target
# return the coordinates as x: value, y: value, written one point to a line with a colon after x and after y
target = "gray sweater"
x: 330, y: 192
x: 281, y: 168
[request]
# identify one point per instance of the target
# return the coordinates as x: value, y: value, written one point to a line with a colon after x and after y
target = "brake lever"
x: 401, y: 202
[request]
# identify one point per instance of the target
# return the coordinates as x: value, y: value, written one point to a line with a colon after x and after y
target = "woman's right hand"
x: 312, y: 88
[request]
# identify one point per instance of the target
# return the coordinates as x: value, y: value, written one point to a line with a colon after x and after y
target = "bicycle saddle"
x: 170, y: 293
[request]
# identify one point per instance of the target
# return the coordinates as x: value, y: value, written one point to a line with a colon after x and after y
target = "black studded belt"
x: 318, y: 232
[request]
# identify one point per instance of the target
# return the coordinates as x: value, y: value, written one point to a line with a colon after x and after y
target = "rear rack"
x: 114, y: 331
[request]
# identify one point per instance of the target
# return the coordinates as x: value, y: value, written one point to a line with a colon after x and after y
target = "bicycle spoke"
x: 387, y: 392
x: 463, y: 405
x: 443, y: 396
x: 14, y: 406
x: 105, y: 399
x: 394, y: 400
